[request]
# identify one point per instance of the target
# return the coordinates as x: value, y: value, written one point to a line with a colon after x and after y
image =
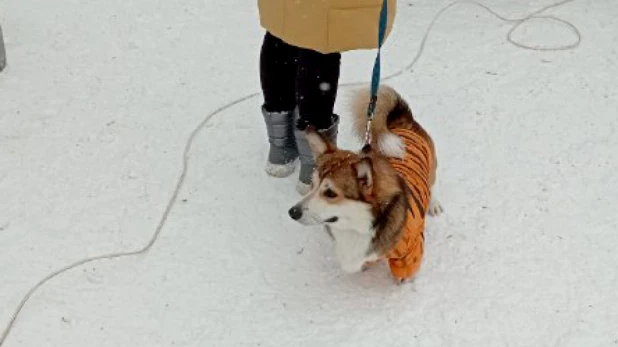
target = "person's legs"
x: 278, y: 70
x: 317, y: 81
x: 278, y: 74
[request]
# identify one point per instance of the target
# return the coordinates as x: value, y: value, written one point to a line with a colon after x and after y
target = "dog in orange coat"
x: 373, y: 203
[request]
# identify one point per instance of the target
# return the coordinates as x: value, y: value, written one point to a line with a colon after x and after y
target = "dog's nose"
x: 295, y: 213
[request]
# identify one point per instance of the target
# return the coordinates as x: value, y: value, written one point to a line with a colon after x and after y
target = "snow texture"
x: 99, y: 97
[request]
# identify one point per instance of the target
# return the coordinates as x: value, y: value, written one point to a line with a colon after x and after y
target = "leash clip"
x: 367, y: 134
x: 371, y: 111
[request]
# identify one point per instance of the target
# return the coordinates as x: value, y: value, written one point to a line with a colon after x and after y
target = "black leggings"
x: 293, y: 76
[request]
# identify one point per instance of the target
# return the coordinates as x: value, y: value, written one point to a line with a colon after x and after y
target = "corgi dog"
x: 373, y: 203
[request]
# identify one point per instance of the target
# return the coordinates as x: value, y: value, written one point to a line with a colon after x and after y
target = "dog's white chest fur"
x: 352, y: 249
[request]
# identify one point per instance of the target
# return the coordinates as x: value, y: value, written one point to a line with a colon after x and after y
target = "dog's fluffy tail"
x: 391, y: 108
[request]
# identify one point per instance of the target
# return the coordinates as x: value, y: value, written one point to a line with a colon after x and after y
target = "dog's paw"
x: 435, y: 208
x: 400, y: 281
x: 368, y: 264
x: 352, y: 267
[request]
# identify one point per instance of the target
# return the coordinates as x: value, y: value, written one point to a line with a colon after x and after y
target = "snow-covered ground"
x: 98, y: 101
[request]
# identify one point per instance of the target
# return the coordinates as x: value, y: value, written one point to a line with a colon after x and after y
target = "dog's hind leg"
x: 435, y: 207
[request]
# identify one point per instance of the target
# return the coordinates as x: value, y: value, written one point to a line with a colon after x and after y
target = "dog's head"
x: 343, y: 193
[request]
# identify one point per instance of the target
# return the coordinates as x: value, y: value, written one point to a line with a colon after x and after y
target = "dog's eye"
x: 329, y: 193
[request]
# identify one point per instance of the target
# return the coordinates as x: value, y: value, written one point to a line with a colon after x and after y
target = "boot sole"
x: 280, y: 170
x: 303, y: 188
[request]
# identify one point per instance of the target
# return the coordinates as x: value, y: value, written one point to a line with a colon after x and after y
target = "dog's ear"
x: 364, y: 173
x: 318, y: 144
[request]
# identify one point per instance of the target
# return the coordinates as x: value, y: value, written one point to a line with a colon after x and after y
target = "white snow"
x: 99, y: 97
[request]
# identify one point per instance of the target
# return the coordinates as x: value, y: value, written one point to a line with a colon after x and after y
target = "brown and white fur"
x: 359, y: 197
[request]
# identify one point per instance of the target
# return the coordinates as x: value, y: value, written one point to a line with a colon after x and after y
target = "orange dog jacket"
x: 406, y: 257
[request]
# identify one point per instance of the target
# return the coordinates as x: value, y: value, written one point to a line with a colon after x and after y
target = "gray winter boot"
x: 282, y: 153
x: 307, y: 164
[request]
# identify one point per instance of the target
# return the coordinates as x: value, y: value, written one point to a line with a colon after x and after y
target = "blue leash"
x: 375, y: 75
